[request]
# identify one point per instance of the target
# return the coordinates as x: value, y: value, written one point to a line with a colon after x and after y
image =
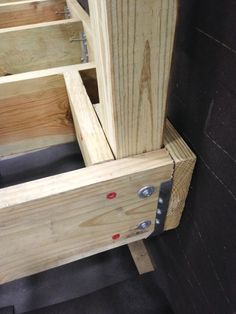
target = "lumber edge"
x: 184, y: 162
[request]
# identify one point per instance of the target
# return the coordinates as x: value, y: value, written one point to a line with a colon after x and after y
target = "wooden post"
x: 133, y: 42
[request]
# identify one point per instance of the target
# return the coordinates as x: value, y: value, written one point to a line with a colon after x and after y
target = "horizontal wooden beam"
x: 52, y: 221
x: 92, y: 141
x: 26, y: 12
x: 46, y: 72
x: 39, y: 46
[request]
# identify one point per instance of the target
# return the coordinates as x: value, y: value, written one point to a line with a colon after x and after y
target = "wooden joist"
x: 28, y: 12
x: 39, y: 46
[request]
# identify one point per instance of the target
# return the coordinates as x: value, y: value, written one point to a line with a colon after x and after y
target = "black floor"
x: 106, y: 283
x: 140, y: 295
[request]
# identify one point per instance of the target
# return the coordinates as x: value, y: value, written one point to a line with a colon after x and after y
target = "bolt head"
x: 161, y: 200
x: 144, y: 224
x: 146, y: 191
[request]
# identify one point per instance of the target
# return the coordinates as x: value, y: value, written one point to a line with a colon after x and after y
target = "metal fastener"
x: 144, y: 225
x: 146, y: 191
x: 160, y: 200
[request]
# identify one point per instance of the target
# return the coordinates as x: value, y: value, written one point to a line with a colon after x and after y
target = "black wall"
x: 197, y: 261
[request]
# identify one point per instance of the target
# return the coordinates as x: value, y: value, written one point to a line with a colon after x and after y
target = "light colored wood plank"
x: 46, y: 72
x: 15, y: 1
x: 92, y: 141
x: 133, y: 43
x: 141, y: 257
x: 77, y: 11
x: 52, y: 221
x: 184, y: 162
x: 34, y: 114
x: 33, y: 12
x: 40, y: 46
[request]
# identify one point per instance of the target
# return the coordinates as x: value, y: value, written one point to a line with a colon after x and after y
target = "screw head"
x: 146, y: 191
x: 159, y: 212
x: 144, y: 225
x: 161, y: 201
x: 158, y: 222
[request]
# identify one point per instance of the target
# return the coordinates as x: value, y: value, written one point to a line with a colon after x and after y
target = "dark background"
x: 198, y: 259
x: 195, y: 262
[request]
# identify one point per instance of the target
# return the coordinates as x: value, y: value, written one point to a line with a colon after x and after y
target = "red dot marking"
x: 111, y: 195
x: 116, y: 236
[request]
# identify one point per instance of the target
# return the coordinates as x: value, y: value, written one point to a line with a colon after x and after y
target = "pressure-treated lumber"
x: 133, y: 43
x: 92, y: 141
x: 184, y: 162
x: 39, y: 46
x: 24, y: 13
x: 52, y: 221
x: 34, y: 114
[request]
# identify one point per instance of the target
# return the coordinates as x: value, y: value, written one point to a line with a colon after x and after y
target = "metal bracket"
x: 66, y: 13
x: 84, y: 46
x: 162, y: 206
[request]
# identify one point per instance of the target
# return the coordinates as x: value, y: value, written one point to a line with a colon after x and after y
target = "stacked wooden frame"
x: 124, y: 139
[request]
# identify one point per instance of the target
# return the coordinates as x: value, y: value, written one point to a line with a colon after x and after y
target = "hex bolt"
x: 144, y: 225
x: 146, y: 191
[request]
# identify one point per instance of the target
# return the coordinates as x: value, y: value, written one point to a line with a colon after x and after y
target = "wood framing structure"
x: 44, y: 101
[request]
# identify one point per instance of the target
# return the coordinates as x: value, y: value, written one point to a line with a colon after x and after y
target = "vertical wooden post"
x: 133, y: 41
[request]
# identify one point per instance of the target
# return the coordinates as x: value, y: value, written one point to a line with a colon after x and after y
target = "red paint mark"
x: 81, y: 137
x: 111, y: 195
x: 116, y: 236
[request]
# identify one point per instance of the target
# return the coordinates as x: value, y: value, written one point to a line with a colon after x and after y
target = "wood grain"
x: 34, y: 114
x: 92, y: 141
x: 133, y: 43
x: 52, y: 221
x: 40, y: 46
x: 31, y: 12
x: 184, y: 162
